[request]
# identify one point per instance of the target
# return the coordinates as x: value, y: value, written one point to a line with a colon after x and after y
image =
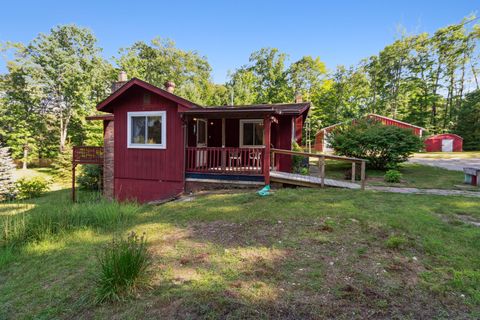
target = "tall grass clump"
x: 53, y: 219
x: 123, y: 268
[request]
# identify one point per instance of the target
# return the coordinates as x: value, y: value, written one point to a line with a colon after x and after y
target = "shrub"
x: 392, y: 176
x: 395, y: 242
x: 299, y: 163
x: 7, y: 182
x: 90, y: 177
x: 381, y: 145
x: 124, y: 268
x: 31, y: 187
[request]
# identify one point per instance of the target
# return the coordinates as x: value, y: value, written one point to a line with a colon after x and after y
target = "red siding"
x: 319, y: 141
x: 434, y: 143
x: 148, y: 174
x: 283, y: 141
x: 298, y: 129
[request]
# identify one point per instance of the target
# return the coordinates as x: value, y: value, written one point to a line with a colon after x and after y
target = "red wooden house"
x: 156, y: 143
x: 321, y: 138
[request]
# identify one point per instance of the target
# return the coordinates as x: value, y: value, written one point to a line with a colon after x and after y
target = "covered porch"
x: 235, y: 142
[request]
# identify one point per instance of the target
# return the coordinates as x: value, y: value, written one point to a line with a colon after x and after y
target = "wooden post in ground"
x: 362, y: 175
x: 73, y: 182
x: 321, y: 165
x: 354, y: 166
x: 266, y: 141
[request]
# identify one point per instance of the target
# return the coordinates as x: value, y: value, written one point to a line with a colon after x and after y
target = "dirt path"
x: 439, y: 192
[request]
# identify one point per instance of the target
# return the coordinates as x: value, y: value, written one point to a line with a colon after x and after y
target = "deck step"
x: 309, y: 181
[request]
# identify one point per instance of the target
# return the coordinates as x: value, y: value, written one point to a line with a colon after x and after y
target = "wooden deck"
x: 309, y: 181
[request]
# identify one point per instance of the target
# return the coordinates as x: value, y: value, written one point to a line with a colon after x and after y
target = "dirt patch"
x: 300, y: 268
x: 459, y: 219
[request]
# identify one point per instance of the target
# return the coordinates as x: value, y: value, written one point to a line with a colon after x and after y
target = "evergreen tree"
x: 7, y: 181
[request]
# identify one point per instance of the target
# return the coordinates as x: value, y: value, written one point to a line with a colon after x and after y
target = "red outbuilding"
x: 156, y: 142
x: 447, y: 142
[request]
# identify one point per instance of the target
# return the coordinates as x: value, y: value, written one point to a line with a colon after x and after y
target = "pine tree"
x: 7, y: 182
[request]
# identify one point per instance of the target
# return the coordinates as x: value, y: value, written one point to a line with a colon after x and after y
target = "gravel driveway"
x: 454, y: 164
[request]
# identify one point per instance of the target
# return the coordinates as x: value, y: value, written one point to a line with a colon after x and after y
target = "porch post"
x: 223, y: 132
x: 266, y: 141
x: 224, y: 154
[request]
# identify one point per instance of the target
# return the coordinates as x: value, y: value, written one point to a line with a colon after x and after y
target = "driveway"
x: 455, y: 164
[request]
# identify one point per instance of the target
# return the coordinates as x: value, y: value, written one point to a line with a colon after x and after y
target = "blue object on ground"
x: 265, y: 191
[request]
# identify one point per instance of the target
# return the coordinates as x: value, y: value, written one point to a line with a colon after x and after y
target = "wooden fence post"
x: 354, y: 166
x: 362, y: 175
x: 321, y: 164
x: 73, y: 182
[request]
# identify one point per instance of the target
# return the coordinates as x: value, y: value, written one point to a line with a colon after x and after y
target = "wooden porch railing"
x: 225, y: 160
x: 87, y: 155
x: 321, y: 163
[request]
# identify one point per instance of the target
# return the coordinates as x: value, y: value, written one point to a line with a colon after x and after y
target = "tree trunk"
x: 25, y: 157
x: 63, y: 132
x: 475, y: 76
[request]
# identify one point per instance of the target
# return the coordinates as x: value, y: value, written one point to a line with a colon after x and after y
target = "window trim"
x: 242, y: 122
x: 162, y: 114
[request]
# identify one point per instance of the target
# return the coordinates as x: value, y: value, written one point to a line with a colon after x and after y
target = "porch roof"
x: 250, y: 110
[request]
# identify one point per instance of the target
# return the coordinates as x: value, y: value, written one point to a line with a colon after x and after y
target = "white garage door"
x: 447, y: 145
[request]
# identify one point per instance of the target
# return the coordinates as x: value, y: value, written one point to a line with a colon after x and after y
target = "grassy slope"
x: 298, y: 253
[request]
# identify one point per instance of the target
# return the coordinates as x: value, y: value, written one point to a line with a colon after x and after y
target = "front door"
x: 201, y: 155
x: 447, y: 145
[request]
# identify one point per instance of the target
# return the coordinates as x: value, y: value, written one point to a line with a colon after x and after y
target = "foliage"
x: 299, y: 163
x: 381, y: 145
x: 468, y: 126
x: 7, y: 169
x: 392, y: 176
x: 162, y: 61
x: 90, y: 177
x: 62, y: 165
x: 54, y: 79
x: 124, y: 268
x: 31, y: 187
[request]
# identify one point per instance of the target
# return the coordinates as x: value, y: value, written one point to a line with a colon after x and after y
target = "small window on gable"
x: 147, y: 130
x: 251, y: 133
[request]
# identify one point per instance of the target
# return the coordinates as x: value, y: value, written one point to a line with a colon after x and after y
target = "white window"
x: 147, y: 130
x: 251, y: 133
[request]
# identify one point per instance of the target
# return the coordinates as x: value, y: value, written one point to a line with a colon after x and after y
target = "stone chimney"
x: 122, y: 79
x: 170, y: 86
x: 298, y: 97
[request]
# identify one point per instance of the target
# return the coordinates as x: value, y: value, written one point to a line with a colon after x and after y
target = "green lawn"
x: 414, y: 176
x: 300, y: 253
x: 449, y: 155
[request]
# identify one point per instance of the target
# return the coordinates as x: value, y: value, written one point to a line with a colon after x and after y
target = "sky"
x: 227, y: 32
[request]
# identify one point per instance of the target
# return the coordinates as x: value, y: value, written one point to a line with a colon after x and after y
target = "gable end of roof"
x: 102, y: 106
